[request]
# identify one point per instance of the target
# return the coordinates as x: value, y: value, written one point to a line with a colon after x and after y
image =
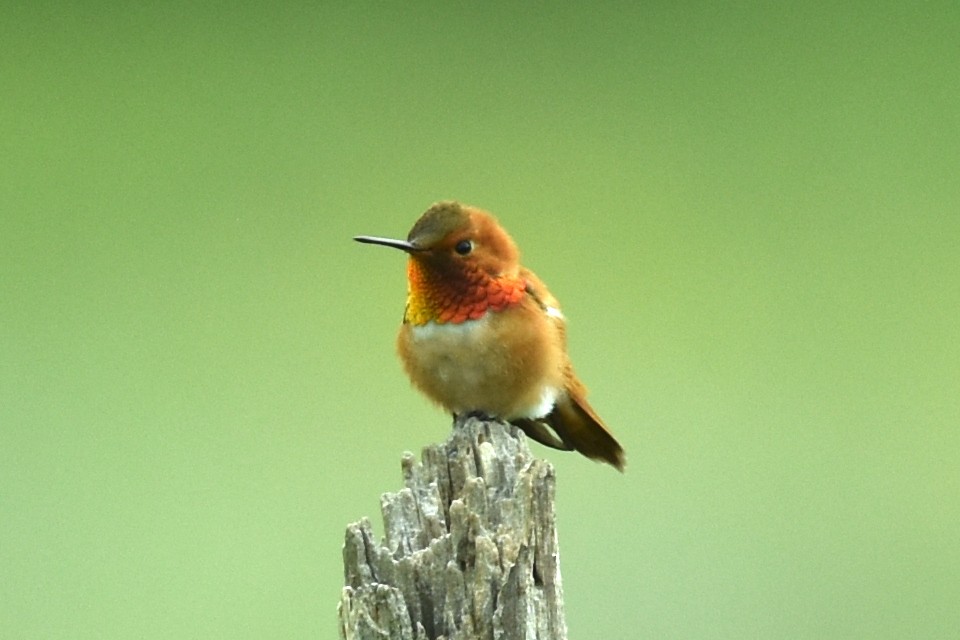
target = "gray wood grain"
x: 470, y: 548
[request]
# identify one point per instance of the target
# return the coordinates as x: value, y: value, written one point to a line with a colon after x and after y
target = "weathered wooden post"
x: 470, y: 550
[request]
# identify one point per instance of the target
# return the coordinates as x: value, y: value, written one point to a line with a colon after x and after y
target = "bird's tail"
x: 576, y: 426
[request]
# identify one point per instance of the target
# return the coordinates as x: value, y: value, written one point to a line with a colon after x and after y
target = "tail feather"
x: 538, y: 430
x: 578, y: 427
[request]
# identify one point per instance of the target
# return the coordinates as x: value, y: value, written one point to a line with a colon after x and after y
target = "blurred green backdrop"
x: 751, y: 214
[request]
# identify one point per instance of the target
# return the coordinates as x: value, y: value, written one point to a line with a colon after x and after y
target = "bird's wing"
x: 539, y: 293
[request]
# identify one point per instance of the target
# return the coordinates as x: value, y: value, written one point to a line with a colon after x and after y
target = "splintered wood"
x: 470, y: 550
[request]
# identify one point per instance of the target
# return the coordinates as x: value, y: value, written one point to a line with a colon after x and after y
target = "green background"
x: 750, y: 212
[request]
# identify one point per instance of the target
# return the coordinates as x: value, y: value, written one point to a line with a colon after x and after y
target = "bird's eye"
x: 463, y: 247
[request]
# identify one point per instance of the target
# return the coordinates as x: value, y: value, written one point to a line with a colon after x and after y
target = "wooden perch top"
x: 470, y: 549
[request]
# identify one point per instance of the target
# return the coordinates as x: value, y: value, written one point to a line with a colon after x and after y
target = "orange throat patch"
x: 468, y: 295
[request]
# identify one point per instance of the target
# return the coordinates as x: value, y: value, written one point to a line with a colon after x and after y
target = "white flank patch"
x: 553, y: 312
x: 548, y: 397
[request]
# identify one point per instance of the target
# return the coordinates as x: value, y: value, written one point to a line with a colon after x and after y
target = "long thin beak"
x: 403, y: 245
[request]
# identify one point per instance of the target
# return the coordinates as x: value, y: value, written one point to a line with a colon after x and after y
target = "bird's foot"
x: 483, y: 416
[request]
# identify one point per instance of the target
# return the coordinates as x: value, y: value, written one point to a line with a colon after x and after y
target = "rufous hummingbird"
x: 482, y: 334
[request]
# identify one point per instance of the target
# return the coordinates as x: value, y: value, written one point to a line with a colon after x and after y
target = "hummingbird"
x: 482, y: 335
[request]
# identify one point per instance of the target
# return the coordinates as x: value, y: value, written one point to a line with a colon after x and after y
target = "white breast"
x: 470, y: 366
